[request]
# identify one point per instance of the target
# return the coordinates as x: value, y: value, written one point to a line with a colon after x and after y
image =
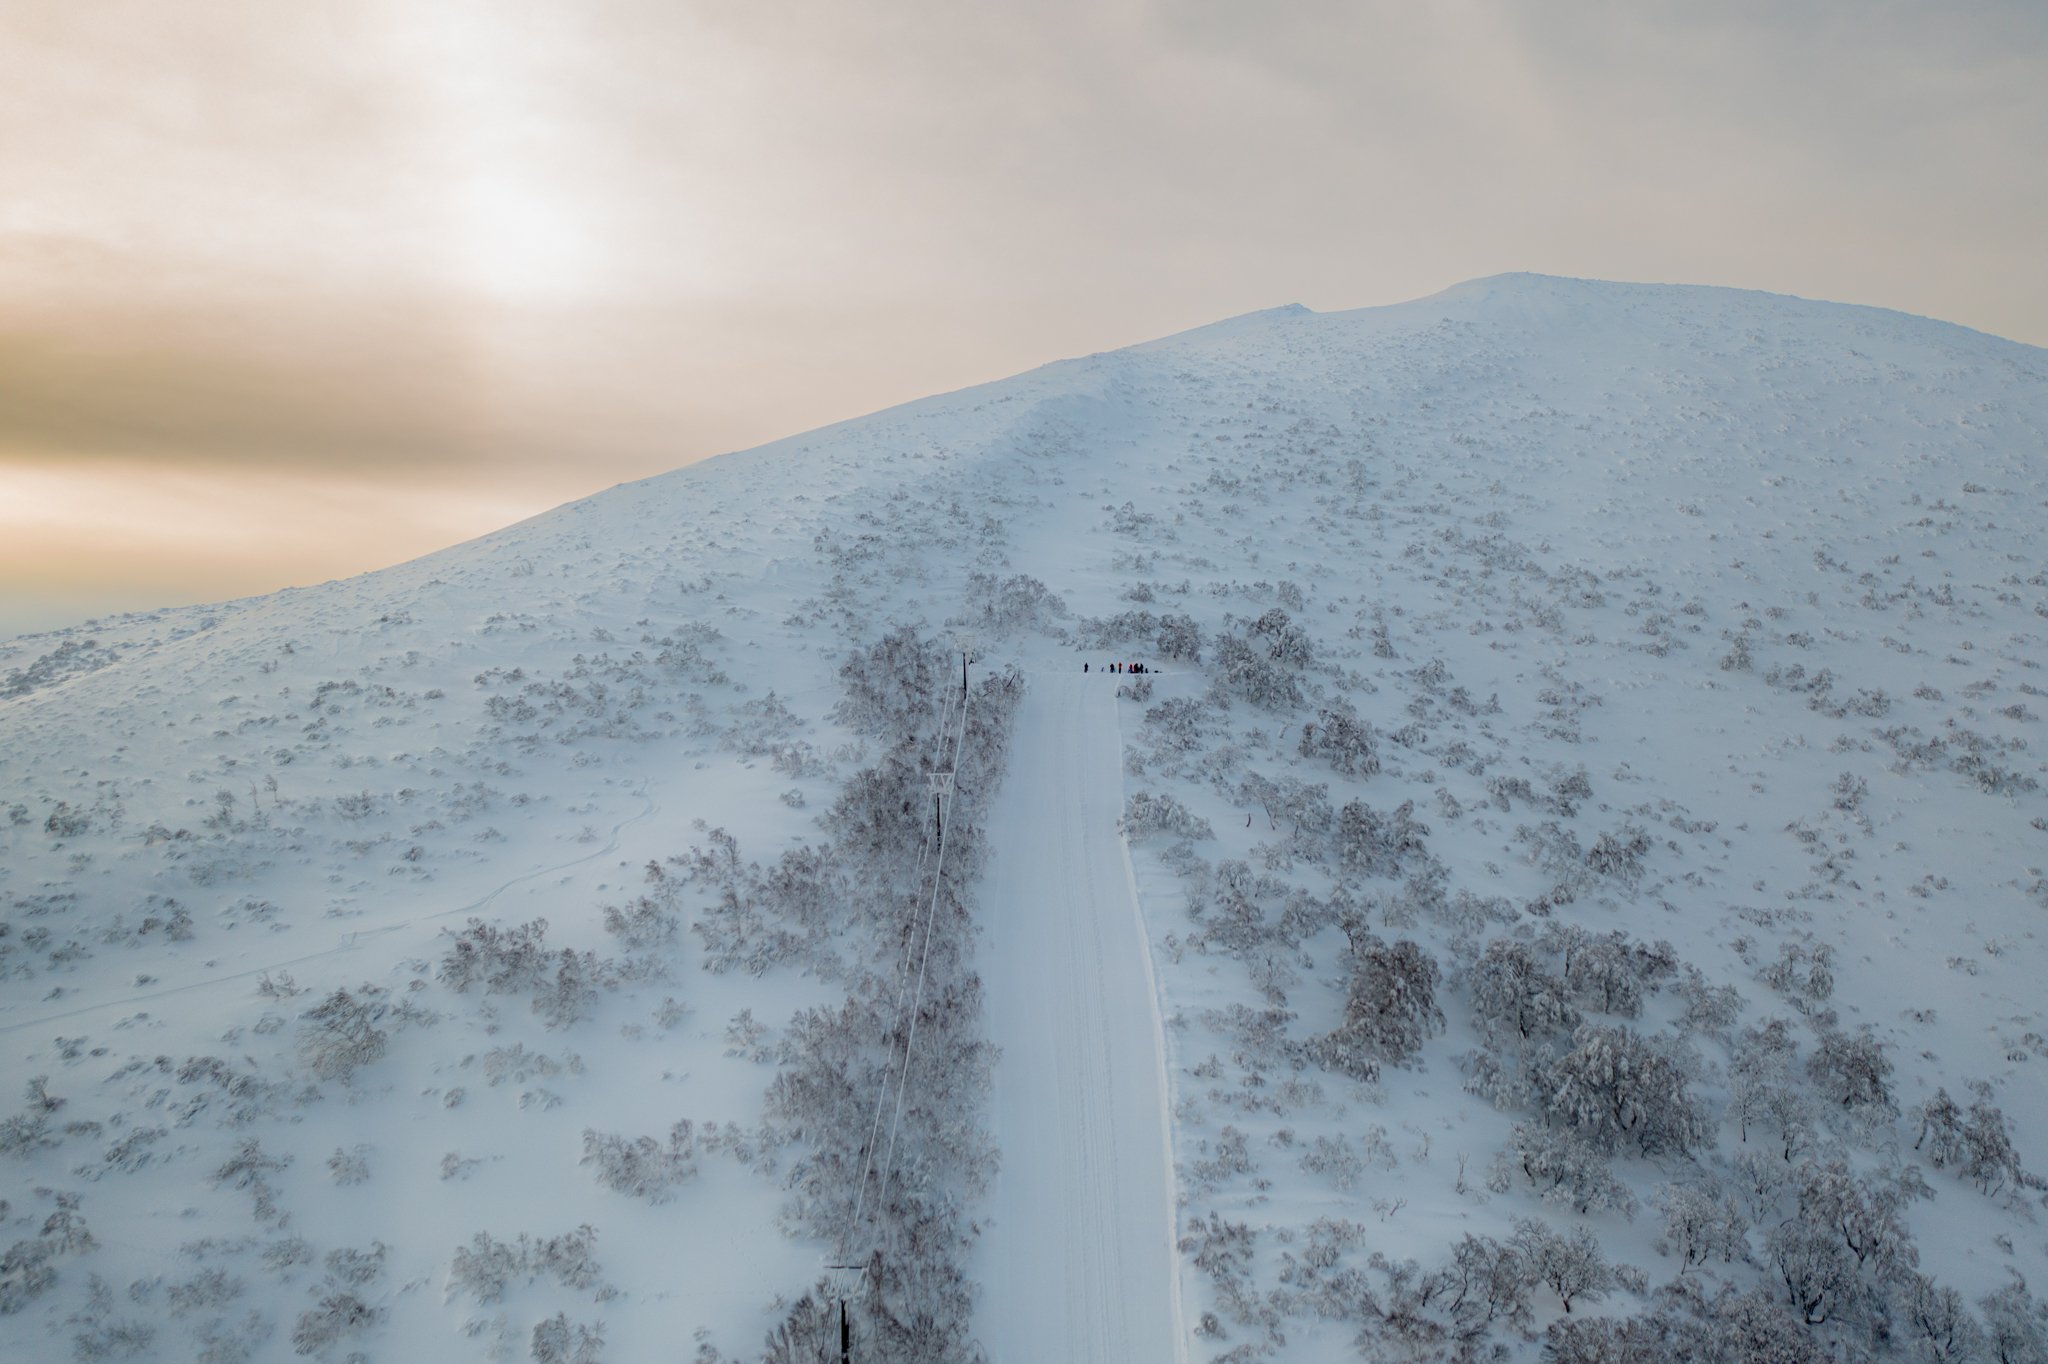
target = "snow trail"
x: 1079, y: 1262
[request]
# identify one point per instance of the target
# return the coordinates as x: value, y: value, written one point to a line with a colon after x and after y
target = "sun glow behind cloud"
x: 520, y: 216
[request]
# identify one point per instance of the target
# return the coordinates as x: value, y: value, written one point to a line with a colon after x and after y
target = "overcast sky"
x: 294, y: 290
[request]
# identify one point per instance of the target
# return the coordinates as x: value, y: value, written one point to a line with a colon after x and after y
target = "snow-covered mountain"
x: 1570, y: 872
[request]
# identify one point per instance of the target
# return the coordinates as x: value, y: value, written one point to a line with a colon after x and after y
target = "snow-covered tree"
x: 1484, y: 1282
x: 895, y: 686
x: 1180, y: 637
x: 1389, y: 1010
x: 1570, y: 1265
x: 1247, y: 673
x: 1863, y: 1211
x: 1514, y: 994
x: 1610, y: 973
x: 1759, y: 1082
x: 1621, y: 1088
x: 1340, y: 738
x: 1563, y: 1167
x: 1701, y: 1223
x: 1003, y: 606
x: 1148, y: 813
x: 2015, y: 1325
x: 1818, y: 1274
x: 1375, y: 844
x: 1934, y: 1321
x: 561, y: 1341
x: 1851, y: 1070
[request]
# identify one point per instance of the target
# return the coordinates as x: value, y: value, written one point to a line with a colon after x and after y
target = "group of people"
x: 1121, y: 668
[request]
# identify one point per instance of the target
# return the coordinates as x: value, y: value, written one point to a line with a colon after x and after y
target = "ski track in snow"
x: 1079, y: 1263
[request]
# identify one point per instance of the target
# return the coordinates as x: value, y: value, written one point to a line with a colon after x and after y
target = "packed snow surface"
x: 1573, y: 879
x: 1079, y: 1259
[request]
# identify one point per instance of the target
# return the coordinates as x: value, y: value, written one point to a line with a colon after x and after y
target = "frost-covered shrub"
x: 338, y: 1315
x: 568, y: 995
x: 1235, y: 919
x: 482, y: 1268
x: 762, y: 917
x: 1709, y: 1008
x: 1148, y: 813
x: 1005, y: 605
x: 1229, y: 1155
x: 1285, y: 642
x: 1375, y: 844
x: 350, y: 1166
x: 1179, y: 637
x: 650, y: 923
x: 882, y: 813
x: 1303, y: 807
x: 1333, y: 1158
x: 891, y: 688
x: 26, y: 1271
x: 1261, y: 665
x: 30, y: 1129
x: 560, y: 1341
x: 1619, y: 855
x: 1389, y: 1010
x: 1340, y: 738
x: 1934, y: 1321
x: 1110, y: 632
x: 642, y: 1167
x: 1759, y: 1082
x: 501, y: 960
x: 1499, y: 1081
x: 1176, y: 724
x: 1622, y: 1089
x: 67, y: 821
x: 339, y: 1036
x: 1570, y: 790
x: 1804, y: 973
x: 356, y: 1268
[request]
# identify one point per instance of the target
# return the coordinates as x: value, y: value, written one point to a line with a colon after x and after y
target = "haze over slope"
x: 1487, y: 627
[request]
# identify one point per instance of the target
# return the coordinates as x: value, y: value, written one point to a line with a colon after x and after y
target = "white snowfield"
x: 1079, y: 1248
x: 1552, y: 672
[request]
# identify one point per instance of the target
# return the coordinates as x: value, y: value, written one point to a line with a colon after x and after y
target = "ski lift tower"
x: 846, y: 1285
x: 965, y: 639
x: 942, y: 788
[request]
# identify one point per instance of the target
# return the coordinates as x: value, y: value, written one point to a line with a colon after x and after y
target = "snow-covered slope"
x: 1494, y: 624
